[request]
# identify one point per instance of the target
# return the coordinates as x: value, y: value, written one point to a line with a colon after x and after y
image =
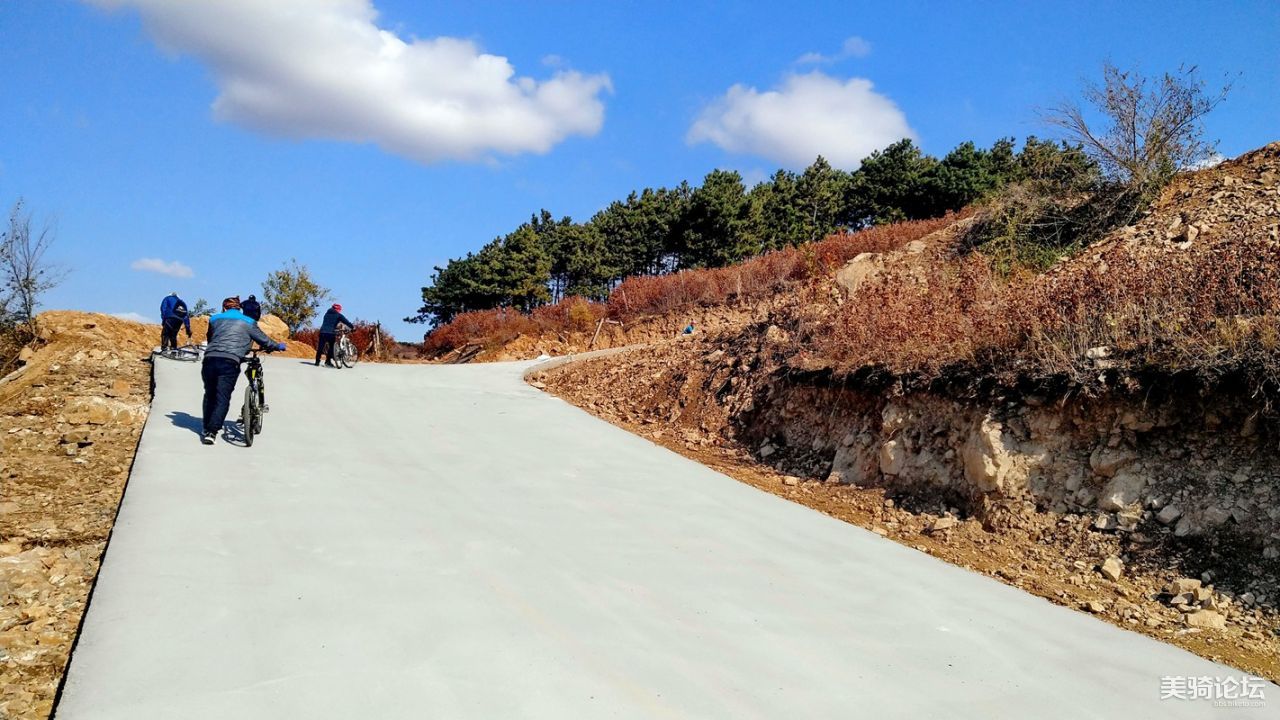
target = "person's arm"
x: 186, y: 320
x: 342, y: 320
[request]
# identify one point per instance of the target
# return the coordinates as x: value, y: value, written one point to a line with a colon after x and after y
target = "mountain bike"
x: 344, y: 351
x: 255, y: 398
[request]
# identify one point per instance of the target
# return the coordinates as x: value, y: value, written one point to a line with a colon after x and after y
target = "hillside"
x: 1102, y: 434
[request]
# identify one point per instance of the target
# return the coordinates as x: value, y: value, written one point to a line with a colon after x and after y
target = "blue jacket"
x: 169, y: 308
x: 332, y: 318
x: 232, y: 333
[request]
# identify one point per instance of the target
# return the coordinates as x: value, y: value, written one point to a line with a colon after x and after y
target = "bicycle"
x: 186, y: 353
x: 344, y: 351
x: 255, y: 397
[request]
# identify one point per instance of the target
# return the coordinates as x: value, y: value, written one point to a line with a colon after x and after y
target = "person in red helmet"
x: 333, y: 319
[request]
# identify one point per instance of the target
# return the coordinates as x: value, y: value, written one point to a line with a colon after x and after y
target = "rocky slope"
x: 1152, y: 500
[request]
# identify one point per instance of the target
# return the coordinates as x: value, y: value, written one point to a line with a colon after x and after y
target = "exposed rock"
x: 1215, y: 516
x: 1206, y: 619
x: 989, y: 463
x: 1112, y: 568
x: 1123, y: 491
x: 77, y: 436
x: 857, y: 271
x: 1182, y: 585
x: 1168, y: 514
x: 943, y: 523
x: 1108, y: 461
x: 892, y: 457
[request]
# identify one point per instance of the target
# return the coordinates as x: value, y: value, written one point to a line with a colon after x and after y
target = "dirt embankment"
x: 899, y: 468
x: 70, y: 419
x: 1151, y: 500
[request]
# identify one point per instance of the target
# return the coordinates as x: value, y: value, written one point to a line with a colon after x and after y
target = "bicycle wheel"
x: 349, y: 355
x: 258, y: 414
x: 249, y: 416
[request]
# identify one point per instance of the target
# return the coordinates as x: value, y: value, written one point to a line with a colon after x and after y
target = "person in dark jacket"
x: 231, y: 334
x: 333, y: 318
x: 173, y: 315
x: 251, y: 308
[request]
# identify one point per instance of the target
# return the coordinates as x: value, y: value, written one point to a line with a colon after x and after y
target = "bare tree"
x: 1148, y: 129
x: 24, y: 274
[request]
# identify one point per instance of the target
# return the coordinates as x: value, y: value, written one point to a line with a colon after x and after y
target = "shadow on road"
x: 184, y: 420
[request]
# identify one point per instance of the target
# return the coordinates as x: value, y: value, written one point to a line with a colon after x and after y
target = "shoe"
x: 207, y: 438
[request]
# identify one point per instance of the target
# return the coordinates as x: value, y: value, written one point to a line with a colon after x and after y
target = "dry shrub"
x: 489, y: 328
x: 762, y: 276
x: 573, y: 314
x: 1211, y: 311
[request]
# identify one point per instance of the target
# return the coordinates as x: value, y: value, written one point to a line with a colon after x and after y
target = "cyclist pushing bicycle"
x: 231, y: 335
x: 333, y: 318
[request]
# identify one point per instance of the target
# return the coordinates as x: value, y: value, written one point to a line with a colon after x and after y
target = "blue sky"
x: 374, y: 139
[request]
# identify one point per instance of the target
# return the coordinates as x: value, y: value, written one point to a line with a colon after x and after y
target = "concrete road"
x: 446, y: 542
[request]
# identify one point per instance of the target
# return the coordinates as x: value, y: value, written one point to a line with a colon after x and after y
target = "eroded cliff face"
x: 1190, y: 467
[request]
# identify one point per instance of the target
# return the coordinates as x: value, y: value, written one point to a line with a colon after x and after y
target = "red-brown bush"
x: 761, y: 276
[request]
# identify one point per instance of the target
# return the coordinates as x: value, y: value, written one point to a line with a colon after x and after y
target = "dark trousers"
x: 169, y: 333
x: 219, y: 376
x: 325, y: 347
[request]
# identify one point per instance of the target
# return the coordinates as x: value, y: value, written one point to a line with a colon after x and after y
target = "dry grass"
x: 1211, y: 312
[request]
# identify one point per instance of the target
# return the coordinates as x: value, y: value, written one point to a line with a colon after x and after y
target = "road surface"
x: 447, y: 542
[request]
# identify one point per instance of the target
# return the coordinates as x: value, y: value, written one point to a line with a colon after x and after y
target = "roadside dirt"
x: 666, y: 394
x: 70, y: 420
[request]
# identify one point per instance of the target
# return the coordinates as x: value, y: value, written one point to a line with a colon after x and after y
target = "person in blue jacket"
x: 173, y: 315
x: 333, y: 317
x: 231, y: 334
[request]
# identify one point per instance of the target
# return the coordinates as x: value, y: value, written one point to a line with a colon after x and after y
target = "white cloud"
x: 1212, y: 160
x: 156, y: 265
x: 324, y: 69
x: 808, y: 115
x: 133, y: 316
x: 853, y: 46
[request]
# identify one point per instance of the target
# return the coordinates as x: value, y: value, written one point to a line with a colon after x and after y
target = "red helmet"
x: 337, y: 307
